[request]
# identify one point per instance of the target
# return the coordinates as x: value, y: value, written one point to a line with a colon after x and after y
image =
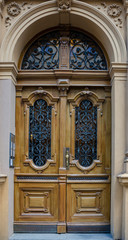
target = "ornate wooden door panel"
x: 88, y: 172
x: 36, y: 166
x: 62, y: 167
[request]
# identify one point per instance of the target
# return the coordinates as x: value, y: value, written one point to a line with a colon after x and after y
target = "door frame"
x: 63, y: 86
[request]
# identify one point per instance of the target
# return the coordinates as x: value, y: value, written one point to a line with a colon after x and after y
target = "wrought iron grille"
x: 86, y: 133
x: 40, y: 132
x: 85, y: 53
x: 43, y: 53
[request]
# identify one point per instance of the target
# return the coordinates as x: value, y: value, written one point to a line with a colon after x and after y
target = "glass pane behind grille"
x: 85, y: 53
x: 44, y: 54
x: 86, y: 133
x: 40, y: 132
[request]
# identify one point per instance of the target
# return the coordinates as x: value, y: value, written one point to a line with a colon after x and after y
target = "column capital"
x: 123, y: 179
x: 8, y: 71
x: 63, y: 86
x: 118, y: 72
x: 2, y: 178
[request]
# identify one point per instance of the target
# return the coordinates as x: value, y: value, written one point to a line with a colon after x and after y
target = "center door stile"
x: 61, y: 228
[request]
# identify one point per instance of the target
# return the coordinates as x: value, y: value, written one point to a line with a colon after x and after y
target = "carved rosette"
x: 14, y: 9
x: 114, y: 11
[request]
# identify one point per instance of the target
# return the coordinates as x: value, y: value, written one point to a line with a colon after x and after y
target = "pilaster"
x: 123, y: 177
x: 126, y: 145
x: 8, y: 74
x: 118, y: 73
x: 123, y: 180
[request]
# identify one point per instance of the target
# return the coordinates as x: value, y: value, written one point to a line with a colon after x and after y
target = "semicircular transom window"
x: 54, y: 51
x: 86, y: 133
x: 40, y: 132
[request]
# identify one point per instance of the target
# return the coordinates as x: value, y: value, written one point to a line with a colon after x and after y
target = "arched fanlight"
x: 84, y: 53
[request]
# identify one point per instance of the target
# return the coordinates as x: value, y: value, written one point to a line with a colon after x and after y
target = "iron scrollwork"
x: 86, y: 133
x: 43, y: 53
x: 85, y: 54
x: 40, y: 132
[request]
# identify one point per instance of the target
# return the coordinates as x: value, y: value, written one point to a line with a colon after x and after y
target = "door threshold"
x: 66, y: 236
x: 92, y: 228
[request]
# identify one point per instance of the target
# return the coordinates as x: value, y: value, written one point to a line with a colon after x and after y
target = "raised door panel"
x: 88, y: 202
x: 36, y: 202
x: 88, y: 207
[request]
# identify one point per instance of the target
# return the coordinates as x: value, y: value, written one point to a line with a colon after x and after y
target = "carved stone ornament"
x: 114, y: 10
x: 63, y: 86
x: 64, y: 5
x: 40, y: 92
x: 13, y: 9
x: 86, y: 92
x: 7, y: 21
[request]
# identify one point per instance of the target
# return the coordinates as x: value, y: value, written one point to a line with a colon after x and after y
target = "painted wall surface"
x: 7, y: 125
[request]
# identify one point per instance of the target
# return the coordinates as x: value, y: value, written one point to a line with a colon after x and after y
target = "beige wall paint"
x: 118, y: 149
x: 7, y: 124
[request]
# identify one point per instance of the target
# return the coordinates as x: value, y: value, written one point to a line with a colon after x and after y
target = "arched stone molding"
x: 46, y: 15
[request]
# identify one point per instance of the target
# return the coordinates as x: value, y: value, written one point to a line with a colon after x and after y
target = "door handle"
x: 67, y: 157
x: 31, y: 137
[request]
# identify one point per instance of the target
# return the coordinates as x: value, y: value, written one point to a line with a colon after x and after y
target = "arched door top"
x: 74, y: 49
x: 46, y: 15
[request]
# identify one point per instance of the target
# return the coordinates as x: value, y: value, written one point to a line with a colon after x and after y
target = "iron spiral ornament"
x: 44, y: 53
x: 40, y: 132
x: 86, y: 133
x: 85, y: 53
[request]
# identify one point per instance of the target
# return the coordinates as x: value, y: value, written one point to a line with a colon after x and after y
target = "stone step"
x: 67, y: 236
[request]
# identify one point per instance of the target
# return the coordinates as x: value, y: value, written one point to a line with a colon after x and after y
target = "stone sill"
x: 123, y: 179
x: 2, y: 178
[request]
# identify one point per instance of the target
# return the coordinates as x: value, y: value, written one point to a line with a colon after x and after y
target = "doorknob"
x: 67, y: 157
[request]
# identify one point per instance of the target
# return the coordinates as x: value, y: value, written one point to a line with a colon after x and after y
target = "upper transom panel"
x: 64, y: 50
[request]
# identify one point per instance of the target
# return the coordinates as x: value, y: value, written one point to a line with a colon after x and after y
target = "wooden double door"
x: 62, y: 164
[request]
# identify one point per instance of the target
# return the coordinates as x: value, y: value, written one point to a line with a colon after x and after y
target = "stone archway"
x: 46, y: 15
